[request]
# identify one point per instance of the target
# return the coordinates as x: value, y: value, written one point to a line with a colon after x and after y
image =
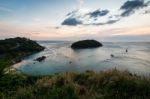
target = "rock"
x: 112, y: 55
x: 70, y: 62
x: 126, y: 50
x: 86, y: 44
x: 40, y: 59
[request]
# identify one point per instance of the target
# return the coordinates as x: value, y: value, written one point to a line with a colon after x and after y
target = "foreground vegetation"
x: 112, y: 84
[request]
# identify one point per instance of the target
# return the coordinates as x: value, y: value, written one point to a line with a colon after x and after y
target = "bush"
x: 112, y: 84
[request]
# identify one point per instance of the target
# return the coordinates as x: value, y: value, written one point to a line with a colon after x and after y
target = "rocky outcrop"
x: 40, y: 59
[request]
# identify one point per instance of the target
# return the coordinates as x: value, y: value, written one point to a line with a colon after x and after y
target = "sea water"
x: 61, y: 58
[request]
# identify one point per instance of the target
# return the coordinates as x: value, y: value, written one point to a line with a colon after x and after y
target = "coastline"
x: 112, y: 83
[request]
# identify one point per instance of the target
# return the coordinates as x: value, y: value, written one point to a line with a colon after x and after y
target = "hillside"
x: 111, y: 84
x: 19, y: 45
x: 14, y: 49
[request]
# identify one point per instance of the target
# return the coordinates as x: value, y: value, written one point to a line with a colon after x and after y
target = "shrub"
x: 111, y: 84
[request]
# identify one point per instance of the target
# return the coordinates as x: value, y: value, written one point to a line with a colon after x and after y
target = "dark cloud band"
x: 130, y: 7
x: 71, y: 22
x: 98, y: 13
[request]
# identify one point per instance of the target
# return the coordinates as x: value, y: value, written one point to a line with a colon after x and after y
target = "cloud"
x: 76, y: 17
x: 130, y: 7
x: 71, y: 22
x: 104, y: 17
x: 104, y: 23
x: 98, y: 13
x: 112, y: 21
x: 147, y: 12
x: 72, y: 13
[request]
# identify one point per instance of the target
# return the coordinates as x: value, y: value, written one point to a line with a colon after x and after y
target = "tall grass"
x: 111, y: 84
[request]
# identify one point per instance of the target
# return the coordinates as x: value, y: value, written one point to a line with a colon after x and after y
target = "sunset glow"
x: 75, y: 19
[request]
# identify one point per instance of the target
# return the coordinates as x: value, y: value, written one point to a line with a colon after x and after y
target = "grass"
x: 111, y: 84
x: 4, y: 63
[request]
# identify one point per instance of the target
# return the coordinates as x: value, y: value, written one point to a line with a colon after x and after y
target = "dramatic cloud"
x: 76, y: 17
x: 98, y: 13
x: 103, y: 17
x: 71, y: 22
x: 130, y: 7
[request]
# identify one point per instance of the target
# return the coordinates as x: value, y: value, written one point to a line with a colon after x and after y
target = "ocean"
x: 61, y: 58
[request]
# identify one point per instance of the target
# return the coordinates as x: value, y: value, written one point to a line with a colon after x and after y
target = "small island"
x: 86, y: 44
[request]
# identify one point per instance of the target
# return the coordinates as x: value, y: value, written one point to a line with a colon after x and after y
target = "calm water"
x: 59, y: 55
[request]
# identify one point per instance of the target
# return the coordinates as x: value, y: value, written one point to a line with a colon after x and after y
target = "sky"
x: 103, y: 20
